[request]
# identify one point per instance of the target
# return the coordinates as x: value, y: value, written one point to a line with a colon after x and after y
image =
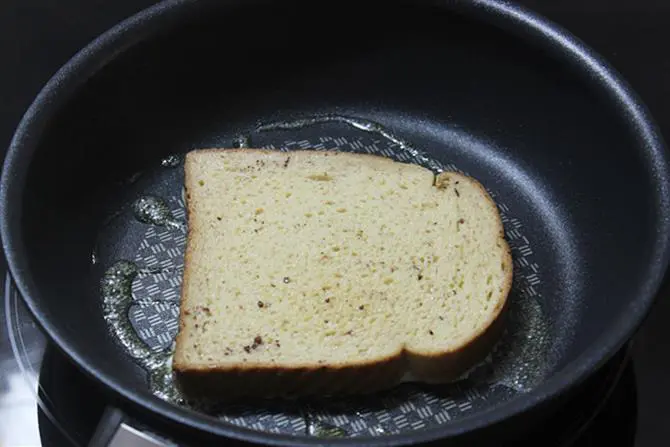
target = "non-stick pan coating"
x: 580, y: 174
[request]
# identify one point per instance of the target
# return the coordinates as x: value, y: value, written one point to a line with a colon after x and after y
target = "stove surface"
x: 45, y: 401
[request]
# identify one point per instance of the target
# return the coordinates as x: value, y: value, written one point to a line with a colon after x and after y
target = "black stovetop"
x: 37, y: 36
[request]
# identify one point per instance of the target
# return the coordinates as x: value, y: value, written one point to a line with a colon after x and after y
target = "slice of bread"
x: 327, y: 273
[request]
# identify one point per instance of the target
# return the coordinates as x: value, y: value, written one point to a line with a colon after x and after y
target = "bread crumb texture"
x: 313, y: 259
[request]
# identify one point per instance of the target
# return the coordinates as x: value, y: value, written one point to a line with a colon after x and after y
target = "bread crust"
x: 242, y: 380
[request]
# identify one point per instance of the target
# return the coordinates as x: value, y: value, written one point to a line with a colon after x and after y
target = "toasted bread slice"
x: 314, y: 272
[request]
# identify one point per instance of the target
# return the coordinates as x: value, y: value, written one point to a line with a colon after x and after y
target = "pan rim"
x: 512, y: 18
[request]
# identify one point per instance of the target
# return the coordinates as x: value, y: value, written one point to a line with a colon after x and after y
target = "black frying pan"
x: 568, y: 151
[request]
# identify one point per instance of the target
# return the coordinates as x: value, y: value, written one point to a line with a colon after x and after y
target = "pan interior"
x: 574, y: 192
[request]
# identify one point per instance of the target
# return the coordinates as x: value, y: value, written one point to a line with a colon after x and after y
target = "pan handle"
x: 115, y: 429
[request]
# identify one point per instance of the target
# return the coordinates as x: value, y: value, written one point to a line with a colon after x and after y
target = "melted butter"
x: 154, y: 211
x: 360, y: 124
x: 116, y: 287
x: 162, y: 382
x: 117, y: 297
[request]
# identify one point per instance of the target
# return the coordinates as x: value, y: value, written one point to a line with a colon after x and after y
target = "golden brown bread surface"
x: 314, y: 272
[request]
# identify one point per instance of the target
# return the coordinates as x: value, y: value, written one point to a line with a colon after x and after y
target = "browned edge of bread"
x: 320, y: 380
